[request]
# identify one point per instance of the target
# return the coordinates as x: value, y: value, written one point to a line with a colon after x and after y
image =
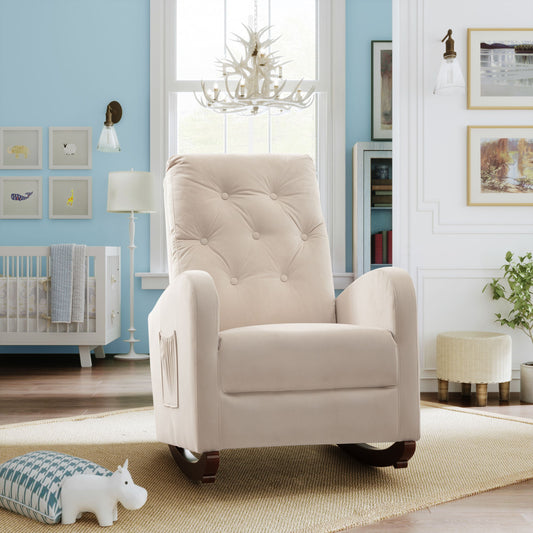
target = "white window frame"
x: 331, y: 141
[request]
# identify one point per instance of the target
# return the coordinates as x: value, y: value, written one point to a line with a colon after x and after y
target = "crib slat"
x: 8, y: 280
x: 28, y: 274
x: 48, y: 276
x: 18, y: 293
x: 87, y: 272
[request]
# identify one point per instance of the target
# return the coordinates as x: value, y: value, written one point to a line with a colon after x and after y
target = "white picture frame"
x: 21, y: 197
x: 70, y: 148
x: 70, y: 197
x: 21, y: 148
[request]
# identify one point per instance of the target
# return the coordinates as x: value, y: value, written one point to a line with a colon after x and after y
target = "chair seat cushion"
x: 307, y: 356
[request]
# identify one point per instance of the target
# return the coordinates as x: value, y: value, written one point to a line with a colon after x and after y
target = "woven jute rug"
x: 289, y: 489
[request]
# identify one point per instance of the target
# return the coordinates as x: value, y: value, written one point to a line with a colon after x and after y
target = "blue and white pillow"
x: 31, y: 483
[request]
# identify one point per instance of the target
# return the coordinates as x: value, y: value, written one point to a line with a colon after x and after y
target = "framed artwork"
x: 21, y: 148
x: 21, y: 197
x: 70, y: 197
x: 381, y: 90
x: 70, y: 148
x: 500, y: 68
x: 500, y: 165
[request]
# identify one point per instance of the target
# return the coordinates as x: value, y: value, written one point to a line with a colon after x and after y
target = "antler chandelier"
x: 254, y: 83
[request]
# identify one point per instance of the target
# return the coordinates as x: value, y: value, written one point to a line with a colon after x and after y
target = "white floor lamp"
x: 131, y: 192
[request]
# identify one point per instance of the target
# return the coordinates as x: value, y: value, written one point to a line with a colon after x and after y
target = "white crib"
x: 25, y: 300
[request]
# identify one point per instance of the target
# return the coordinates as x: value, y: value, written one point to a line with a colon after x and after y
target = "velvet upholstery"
x: 265, y: 354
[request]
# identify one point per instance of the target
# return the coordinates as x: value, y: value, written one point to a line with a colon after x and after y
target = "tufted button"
x: 203, y: 240
x: 283, y: 277
x: 224, y: 196
x: 255, y: 235
x: 273, y: 195
x: 304, y: 236
x: 233, y: 281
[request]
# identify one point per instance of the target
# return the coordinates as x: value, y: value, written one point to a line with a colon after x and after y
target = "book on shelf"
x: 381, y: 247
x: 381, y: 182
x: 377, y: 248
x: 381, y: 200
x: 381, y: 187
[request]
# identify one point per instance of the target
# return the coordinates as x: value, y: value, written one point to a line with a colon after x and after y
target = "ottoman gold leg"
x: 504, y: 391
x: 466, y: 390
x: 443, y: 390
x: 481, y: 394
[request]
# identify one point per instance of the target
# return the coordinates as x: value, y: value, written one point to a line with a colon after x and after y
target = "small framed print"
x: 381, y: 90
x: 500, y: 165
x: 500, y: 68
x: 70, y: 148
x: 21, y: 148
x: 70, y: 197
x: 21, y: 197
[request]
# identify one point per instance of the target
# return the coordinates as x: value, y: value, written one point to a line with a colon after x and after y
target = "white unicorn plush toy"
x: 100, y: 495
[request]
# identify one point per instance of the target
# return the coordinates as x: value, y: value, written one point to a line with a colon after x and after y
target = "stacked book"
x: 382, y: 248
x: 381, y: 193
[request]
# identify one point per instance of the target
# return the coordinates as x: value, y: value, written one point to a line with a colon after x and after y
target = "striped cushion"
x: 31, y: 484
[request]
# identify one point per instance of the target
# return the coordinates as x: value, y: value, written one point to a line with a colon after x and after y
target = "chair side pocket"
x: 168, y: 347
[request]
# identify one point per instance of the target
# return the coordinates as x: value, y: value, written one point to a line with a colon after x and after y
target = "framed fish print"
x: 70, y: 197
x: 70, y: 148
x: 500, y: 68
x: 500, y: 165
x: 21, y: 197
x: 381, y: 90
x: 21, y: 148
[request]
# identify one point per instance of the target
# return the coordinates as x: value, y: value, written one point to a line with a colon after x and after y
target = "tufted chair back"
x: 254, y: 223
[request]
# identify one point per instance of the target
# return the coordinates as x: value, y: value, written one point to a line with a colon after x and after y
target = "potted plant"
x: 515, y: 287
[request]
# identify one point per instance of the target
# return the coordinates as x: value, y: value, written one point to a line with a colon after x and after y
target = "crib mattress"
x: 29, y: 298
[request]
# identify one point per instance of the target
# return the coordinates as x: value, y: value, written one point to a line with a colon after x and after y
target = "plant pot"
x: 526, y: 382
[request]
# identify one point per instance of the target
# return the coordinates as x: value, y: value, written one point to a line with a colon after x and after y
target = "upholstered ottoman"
x: 474, y: 357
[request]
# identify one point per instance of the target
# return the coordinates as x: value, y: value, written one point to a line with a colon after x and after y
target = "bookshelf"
x: 372, y: 206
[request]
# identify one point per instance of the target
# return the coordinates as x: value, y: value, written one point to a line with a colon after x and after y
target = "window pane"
x: 200, y: 130
x: 247, y: 135
x: 200, y: 38
x: 295, y: 21
x: 295, y: 132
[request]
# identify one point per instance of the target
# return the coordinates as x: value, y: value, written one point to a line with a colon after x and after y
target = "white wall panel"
x: 450, y: 249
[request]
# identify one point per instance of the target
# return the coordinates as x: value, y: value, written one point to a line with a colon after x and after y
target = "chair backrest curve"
x: 254, y: 222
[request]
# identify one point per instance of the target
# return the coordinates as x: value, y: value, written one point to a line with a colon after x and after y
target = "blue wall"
x: 61, y: 62
x: 366, y: 21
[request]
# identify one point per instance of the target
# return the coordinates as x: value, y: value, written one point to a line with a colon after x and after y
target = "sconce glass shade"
x: 450, y: 78
x: 108, y: 141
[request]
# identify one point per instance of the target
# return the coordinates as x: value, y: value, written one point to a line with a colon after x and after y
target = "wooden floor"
x: 39, y: 387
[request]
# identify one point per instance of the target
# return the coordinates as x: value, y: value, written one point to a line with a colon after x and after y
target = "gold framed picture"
x: 500, y: 68
x: 500, y: 165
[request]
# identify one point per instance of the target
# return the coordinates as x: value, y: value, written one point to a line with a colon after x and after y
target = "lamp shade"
x: 450, y: 78
x: 130, y: 191
x: 108, y: 141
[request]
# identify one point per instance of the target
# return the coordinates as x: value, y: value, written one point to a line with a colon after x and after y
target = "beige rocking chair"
x: 248, y: 345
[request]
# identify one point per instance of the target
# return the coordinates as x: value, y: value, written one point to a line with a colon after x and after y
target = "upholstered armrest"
x: 183, y: 330
x: 385, y: 298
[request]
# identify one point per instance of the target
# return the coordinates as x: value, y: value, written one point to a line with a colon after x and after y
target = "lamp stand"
x: 132, y: 355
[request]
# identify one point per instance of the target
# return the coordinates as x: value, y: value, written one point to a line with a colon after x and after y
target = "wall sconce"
x: 450, y: 78
x: 108, y: 141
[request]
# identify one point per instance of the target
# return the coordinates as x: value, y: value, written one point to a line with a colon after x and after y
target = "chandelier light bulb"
x: 253, y: 83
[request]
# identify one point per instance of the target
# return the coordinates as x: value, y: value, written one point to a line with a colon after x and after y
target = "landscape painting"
x: 500, y: 165
x: 500, y: 74
x: 381, y: 90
